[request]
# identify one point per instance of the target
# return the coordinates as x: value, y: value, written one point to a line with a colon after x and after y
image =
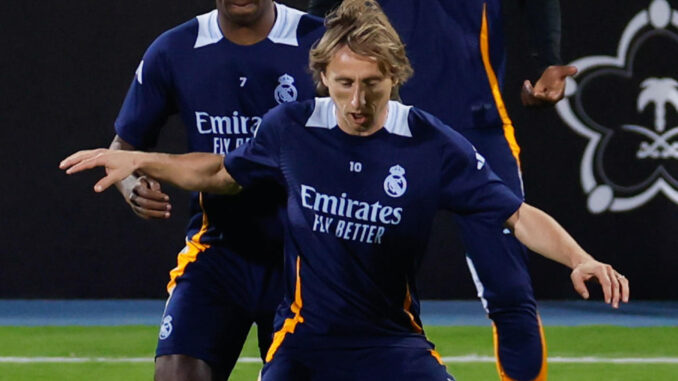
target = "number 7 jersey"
x: 221, y: 90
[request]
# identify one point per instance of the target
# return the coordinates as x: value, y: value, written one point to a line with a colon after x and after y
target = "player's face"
x: 359, y: 90
x: 243, y: 12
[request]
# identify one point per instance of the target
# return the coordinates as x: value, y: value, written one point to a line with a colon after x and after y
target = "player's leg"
x: 202, y: 324
x: 181, y: 367
x: 504, y: 286
x: 265, y: 333
x: 498, y: 263
x: 268, y: 285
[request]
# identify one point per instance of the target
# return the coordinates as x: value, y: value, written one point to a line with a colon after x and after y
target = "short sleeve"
x: 259, y: 158
x: 148, y: 103
x: 470, y: 187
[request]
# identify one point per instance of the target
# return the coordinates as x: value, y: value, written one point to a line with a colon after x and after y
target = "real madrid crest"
x: 285, y: 91
x: 395, y: 184
x: 165, y: 327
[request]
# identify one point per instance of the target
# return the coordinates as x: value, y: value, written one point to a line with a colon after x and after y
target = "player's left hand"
x: 549, y: 89
x: 615, y: 286
x: 119, y: 164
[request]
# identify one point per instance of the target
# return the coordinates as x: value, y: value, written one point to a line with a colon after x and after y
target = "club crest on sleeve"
x: 395, y: 184
x: 165, y: 327
x: 285, y: 91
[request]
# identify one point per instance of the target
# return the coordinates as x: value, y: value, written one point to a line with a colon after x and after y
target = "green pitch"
x: 125, y: 353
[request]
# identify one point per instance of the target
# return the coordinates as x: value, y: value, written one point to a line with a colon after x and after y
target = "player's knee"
x: 181, y: 368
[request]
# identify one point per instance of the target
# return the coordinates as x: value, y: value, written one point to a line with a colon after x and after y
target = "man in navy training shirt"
x: 364, y: 177
x: 220, y: 72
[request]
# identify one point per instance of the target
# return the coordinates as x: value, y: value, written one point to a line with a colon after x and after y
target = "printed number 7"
x: 242, y: 81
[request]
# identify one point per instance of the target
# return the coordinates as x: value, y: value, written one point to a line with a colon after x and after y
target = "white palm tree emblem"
x: 660, y: 92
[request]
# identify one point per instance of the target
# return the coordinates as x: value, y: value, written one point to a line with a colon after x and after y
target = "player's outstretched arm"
x: 142, y: 193
x: 542, y: 234
x: 195, y: 171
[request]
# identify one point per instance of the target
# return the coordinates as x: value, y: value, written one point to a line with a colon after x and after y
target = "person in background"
x: 220, y: 72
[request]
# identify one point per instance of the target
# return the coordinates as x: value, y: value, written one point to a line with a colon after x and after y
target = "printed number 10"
x: 355, y: 166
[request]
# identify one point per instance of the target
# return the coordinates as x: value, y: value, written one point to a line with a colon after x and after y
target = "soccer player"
x: 220, y: 72
x: 364, y: 178
x: 457, y: 51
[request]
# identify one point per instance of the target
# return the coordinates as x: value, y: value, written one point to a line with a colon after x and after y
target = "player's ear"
x: 395, y: 90
x: 323, y: 78
x: 395, y: 94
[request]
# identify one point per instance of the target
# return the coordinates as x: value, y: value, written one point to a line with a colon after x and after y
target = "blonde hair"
x: 364, y: 28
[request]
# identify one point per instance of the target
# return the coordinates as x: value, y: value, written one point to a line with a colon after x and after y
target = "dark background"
x: 65, y: 67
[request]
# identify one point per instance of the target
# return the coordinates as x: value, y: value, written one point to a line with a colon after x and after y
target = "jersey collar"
x: 284, y: 29
x: 324, y: 116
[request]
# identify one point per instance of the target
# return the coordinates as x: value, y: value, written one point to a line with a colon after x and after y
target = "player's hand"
x: 119, y: 164
x: 615, y: 286
x: 549, y: 89
x: 145, y: 197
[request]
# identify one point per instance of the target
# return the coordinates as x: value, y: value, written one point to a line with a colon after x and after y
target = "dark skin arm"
x: 543, y: 19
x: 550, y: 87
x: 143, y: 194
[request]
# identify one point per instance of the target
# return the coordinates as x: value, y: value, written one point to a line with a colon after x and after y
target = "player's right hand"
x: 145, y: 197
x: 118, y: 164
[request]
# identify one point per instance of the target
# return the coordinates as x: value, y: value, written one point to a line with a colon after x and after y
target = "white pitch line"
x: 448, y: 359
x: 25, y: 360
x: 573, y: 360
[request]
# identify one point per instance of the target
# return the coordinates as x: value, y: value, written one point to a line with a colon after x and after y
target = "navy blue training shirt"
x: 359, y: 212
x: 221, y: 90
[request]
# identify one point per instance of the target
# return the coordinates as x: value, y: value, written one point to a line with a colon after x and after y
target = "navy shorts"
x: 356, y: 364
x: 214, y: 299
